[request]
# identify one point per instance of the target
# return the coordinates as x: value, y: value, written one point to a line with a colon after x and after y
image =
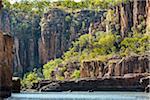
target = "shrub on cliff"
x: 76, y: 74
x: 29, y: 79
x: 58, y: 77
x: 138, y: 43
x: 104, y: 44
x: 49, y: 67
x: 90, y: 46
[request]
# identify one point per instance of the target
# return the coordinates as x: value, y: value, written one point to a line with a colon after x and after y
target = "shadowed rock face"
x: 148, y: 17
x: 1, y: 4
x: 6, y: 55
x: 60, y: 28
x: 47, y: 37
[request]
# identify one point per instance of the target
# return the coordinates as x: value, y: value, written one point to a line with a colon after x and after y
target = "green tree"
x: 76, y: 74
x: 29, y: 79
x: 139, y: 43
x: 49, y: 67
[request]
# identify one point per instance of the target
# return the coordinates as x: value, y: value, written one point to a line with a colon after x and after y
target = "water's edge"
x: 81, y: 96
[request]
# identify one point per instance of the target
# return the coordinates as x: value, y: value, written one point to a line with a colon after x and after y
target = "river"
x: 81, y: 96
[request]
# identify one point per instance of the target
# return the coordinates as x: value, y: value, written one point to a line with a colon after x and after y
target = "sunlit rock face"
x: 116, y: 67
x: 131, y: 16
x: 6, y: 58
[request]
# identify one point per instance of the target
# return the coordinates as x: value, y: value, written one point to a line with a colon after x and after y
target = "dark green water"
x: 81, y: 96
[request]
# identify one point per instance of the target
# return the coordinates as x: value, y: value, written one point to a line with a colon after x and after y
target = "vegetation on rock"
x: 29, y: 79
x: 102, y: 46
x: 92, y: 26
x: 49, y: 67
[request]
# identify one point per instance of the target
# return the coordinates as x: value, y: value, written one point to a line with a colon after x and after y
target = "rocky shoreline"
x: 117, y: 74
x: 135, y: 83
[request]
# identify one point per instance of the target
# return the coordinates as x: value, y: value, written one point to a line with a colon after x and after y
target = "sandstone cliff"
x: 36, y: 42
x: 148, y: 17
x: 131, y: 16
x: 116, y: 67
x: 6, y: 58
x: 1, y: 4
x: 41, y: 38
x: 59, y: 29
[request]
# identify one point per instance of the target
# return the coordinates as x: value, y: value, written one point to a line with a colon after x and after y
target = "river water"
x: 81, y: 96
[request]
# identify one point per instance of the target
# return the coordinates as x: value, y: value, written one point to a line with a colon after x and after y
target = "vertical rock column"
x: 6, y: 55
x: 1, y: 4
x: 139, y: 15
x: 148, y: 17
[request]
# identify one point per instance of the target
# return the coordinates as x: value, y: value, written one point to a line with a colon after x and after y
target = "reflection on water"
x: 81, y: 96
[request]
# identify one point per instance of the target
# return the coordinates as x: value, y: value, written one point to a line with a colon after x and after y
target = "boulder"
x: 16, y: 85
x: 145, y: 81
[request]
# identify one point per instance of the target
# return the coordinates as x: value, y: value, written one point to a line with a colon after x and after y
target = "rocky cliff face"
x: 148, y: 17
x: 26, y: 31
x: 130, y: 16
x: 1, y: 4
x: 115, y: 67
x: 59, y: 29
x: 37, y: 42
x: 6, y: 58
x: 38, y: 39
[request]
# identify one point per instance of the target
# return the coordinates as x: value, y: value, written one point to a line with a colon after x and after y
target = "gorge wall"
x: 37, y: 39
x: 6, y: 58
x: 59, y: 29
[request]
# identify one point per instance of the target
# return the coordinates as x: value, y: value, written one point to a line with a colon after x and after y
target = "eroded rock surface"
x: 116, y: 67
x: 101, y: 84
x: 6, y: 55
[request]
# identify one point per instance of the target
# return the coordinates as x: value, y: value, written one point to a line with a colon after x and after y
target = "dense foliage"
x: 39, y: 6
x: 29, y: 79
x: 138, y: 43
x: 49, y: 67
